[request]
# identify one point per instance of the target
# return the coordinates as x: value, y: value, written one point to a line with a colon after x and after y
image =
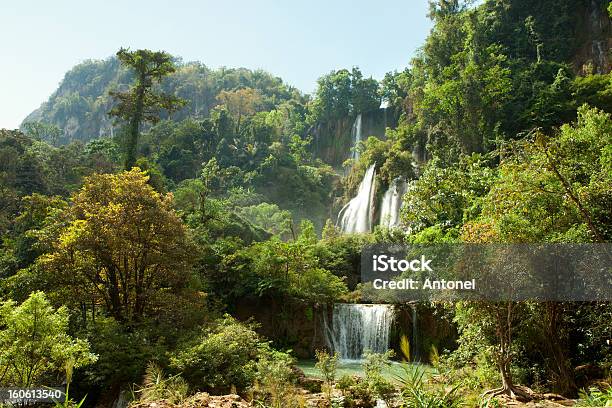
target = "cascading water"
x: 415, y: 334
x: 599, y: 54
x: 359, y: 327
x: 383, y: 106
x: 392, y: 203
x: 598, y: 33
x: 356, y: 216
x: 356, y: 136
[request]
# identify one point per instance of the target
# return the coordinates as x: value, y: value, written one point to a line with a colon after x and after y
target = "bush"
x: 473, y: 373
x: 373, y: 367
x: 356, y: 392
x: 123, y: 352
x: 327, y: 364
x: 222, y: 356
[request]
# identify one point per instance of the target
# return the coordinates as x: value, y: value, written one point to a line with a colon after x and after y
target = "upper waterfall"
x: 356, y: 136
x: 356, y: 216
x: 392, y: 203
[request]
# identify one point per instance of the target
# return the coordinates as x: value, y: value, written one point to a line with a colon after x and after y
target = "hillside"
x: 80, y: 105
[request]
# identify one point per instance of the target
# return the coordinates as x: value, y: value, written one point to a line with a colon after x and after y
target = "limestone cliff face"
x: 333, y: 141
x: 80, y: 105
x: 289, y: 324
x: 594, y: 39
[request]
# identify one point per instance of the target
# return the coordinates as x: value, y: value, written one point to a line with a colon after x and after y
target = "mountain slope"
x: 80, y: 104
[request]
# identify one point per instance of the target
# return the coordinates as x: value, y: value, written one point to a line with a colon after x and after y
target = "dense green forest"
x: 170, y: 229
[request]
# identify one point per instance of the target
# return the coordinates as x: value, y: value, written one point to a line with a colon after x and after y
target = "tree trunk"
x: 565, y: 383
x: 506, y: 377
x: 132, y: 145
x: 504, y: 321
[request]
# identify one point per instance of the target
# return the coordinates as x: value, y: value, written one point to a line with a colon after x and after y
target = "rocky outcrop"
x: 289, y: 324
x: 332, y: 141
x: 594, y: 39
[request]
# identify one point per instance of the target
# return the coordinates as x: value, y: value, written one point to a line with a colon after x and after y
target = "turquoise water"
x: 354, y: 368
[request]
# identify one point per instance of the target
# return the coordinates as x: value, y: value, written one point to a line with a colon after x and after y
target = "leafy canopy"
x: 34, y: 342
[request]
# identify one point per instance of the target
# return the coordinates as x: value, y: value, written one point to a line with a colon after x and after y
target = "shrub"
x: 123, y: 352
x: 222, y: 356
x: 373, y: 367
x: 158, y: 386
x: 275, y: 381
x: 327, y: 364
x: 356, y: 392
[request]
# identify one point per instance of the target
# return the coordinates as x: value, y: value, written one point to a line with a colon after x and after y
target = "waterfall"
x: 392, y: 202
x: 384, y: 104
x: 599, y: 54
x: 356, y: 136
x: 356, y: 216
x: 415, y: 335
x: 359, y: 327
x: 599, y: 44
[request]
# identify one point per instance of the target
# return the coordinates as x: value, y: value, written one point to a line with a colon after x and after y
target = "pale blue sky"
x: 298, y: 41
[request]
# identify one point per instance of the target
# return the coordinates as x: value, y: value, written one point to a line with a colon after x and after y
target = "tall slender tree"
x: 141, y: 103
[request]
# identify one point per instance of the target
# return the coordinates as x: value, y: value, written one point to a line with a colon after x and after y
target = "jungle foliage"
x: 501, y: 136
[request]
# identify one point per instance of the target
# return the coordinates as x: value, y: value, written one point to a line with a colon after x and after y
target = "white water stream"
x: 356, y: 328
x: 356, y: 216
x: 392, y: 203
x: 356, y: 136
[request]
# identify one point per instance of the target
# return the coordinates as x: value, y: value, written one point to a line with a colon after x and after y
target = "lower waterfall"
x: 392, y: 203
x: 359, y: 327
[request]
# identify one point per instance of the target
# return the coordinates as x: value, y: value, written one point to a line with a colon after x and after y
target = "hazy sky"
x: 298, y: 41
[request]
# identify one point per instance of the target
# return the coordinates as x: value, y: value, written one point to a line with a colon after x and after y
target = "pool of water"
x: 354, y: 367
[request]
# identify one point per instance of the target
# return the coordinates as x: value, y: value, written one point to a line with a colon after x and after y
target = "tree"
x: 35, y: 341
x: 550, y: 189
x: 269, y: 217
x: 497, y: 325
x: 240, y: 103
x: 43, y: 131
x: 447, y: 196
x: 292, y: 268
x: 141, y: 103
x: 124, y: 246
x: 21, y: 169
x: 556, y: 188
x: 343, y: 93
